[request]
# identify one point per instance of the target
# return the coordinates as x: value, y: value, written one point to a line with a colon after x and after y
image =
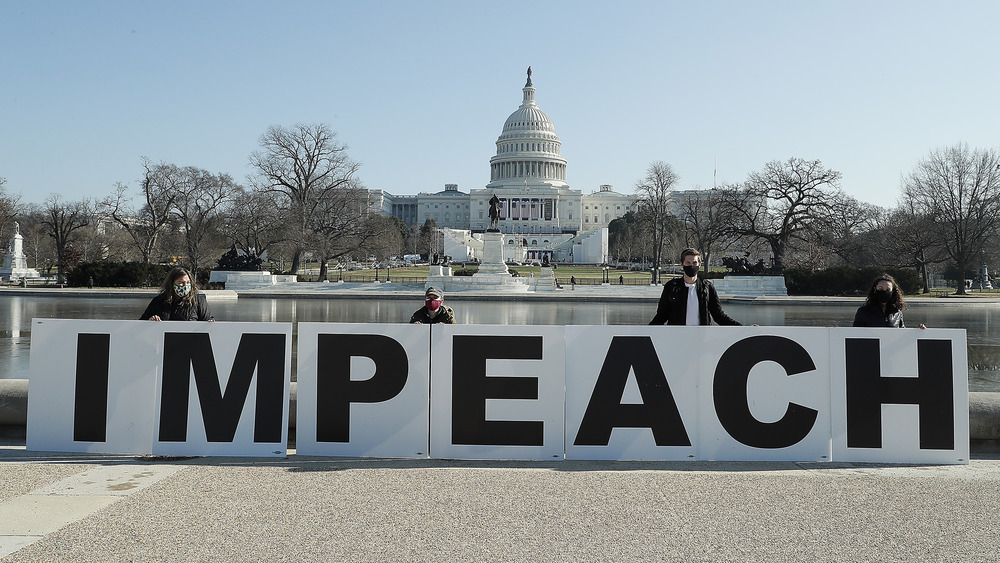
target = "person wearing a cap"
x: 434, y: 310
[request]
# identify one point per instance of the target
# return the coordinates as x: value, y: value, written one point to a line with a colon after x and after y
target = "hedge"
x: 118, y: 274
x: 846, y: 281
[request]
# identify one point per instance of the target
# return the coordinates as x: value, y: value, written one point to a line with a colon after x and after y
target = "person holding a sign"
x: 178, y: 300
x: 434, y: 310
x: 884, y: 305
x: 690, y: 300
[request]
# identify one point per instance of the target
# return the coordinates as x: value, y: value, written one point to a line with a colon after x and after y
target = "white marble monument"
x: 492, y: 275
x: 15, y: 263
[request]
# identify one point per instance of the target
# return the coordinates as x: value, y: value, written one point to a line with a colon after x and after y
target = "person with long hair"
x: 884, y: 305
x: 178, y: 300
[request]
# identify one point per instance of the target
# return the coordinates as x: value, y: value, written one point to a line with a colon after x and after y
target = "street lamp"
x: 387, y: 266
x: 605, y: 278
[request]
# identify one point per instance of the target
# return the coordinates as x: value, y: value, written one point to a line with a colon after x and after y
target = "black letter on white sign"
x: 932, y: 390
x: 730, y: 392
x: 470, y: 388
x: 334, y: 389
x: 90, y: 403
x: 184, y: 352
x: 658, y: 411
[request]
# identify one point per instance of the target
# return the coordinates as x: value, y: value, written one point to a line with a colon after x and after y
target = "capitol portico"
x: 528, y: 175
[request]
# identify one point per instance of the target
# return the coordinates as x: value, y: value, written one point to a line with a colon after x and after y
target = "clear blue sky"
x: 419, y: 90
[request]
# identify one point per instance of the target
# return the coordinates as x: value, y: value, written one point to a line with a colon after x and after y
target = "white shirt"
x: 692, y: 319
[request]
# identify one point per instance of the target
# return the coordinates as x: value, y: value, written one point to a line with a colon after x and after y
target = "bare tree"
x: 307, y: 166
x: 253, y: 220
x: 706, y: 221
x: 427, y: 239
x: 340, y: 224
x: 625, y: 238
x: 959, y: 188
x: 846, y: 228
x: 387, y: 237
x: 62, y: 220
x: 911, y: 238
x: 8, y: 207
x: 781, y: 203
x: 654, y: 192
x: 146, y: 222
x: 198, y: 208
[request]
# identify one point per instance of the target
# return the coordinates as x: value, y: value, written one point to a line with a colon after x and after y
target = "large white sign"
x: 168, y: 388
x: 503, y: 392
x: 362, y: 390
x: 697, y: 393
x: 497, y: 391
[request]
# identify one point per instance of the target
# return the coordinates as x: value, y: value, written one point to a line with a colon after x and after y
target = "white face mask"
x: 182, y: 289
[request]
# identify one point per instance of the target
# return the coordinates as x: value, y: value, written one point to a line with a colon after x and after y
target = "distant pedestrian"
x: 178, y: 300
x: 884, y: 305
x: 621, y: 280
x: 434, y: 310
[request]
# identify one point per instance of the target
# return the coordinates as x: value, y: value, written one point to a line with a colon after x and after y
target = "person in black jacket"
x: 676, y: 306
x: 884, y: 305
x: 178, y: 300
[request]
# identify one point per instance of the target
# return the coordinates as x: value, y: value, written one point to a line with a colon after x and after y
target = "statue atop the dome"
x: 495, y: 212
x: 529, y: 78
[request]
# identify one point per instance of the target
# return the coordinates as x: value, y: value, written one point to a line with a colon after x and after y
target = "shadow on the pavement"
x: 310, y: 464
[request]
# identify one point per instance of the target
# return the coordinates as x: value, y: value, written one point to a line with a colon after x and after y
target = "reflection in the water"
x: 982, y: 323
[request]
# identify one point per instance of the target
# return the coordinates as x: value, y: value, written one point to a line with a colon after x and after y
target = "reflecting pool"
x: 982, y: 323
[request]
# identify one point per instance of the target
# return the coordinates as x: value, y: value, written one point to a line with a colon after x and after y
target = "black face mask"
x: 691, y: 271
x: 883, y: 295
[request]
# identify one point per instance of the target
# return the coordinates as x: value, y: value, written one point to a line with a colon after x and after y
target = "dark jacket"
x: 873, y: 315
x: 446, y: 315
x: 197, y: 311
x: 672, y: 309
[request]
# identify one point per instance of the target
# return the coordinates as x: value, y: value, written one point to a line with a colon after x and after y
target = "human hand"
x: 155, y: 318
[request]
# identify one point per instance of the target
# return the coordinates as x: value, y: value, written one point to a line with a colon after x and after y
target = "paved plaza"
x: 78, y: 507
x: 62, y: 507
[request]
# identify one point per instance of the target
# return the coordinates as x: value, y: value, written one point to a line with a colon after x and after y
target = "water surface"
x: 982, y: 323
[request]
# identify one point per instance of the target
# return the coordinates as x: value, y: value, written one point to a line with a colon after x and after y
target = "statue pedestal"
x: 248, y: 280
x: 545, y: 280
x: 492, y: 263
x: 15, y: 263
x: 492, y: 275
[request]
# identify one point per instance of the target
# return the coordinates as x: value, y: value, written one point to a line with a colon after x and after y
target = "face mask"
x: 883, y: 295
x: 691, y: 271
x: 182, y: 289
x: 433, y: 304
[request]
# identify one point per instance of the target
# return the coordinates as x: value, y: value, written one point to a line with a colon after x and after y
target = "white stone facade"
x: 538, y: 207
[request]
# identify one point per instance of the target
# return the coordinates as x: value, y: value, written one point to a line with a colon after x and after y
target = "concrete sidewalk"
x: 61, y: 507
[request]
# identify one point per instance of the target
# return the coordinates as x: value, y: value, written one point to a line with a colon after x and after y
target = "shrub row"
x: 846, y: 281
x: 118, y: 274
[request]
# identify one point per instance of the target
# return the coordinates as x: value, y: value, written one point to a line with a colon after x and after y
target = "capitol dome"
x: 528, y: 149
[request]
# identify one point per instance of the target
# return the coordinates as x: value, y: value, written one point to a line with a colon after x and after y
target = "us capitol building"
x: 540, y: 215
